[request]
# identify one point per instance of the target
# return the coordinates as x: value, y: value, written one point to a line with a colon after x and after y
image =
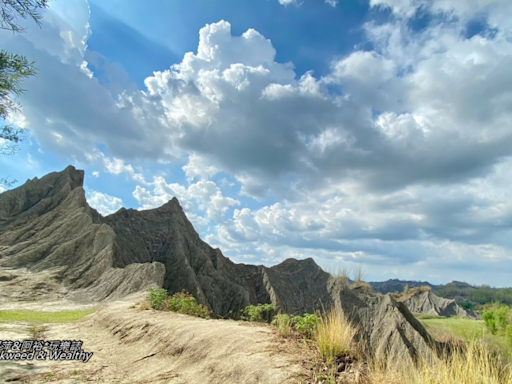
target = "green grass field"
x: 40, y: 317
x: 459, y: 328
x: 443, y: 329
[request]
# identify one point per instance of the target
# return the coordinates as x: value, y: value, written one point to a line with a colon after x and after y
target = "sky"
x: 361, y: 133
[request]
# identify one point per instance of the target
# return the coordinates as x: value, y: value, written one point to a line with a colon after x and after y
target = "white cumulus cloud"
x: 103, y: 203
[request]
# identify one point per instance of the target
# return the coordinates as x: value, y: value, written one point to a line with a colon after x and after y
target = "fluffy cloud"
x: 201, y: 198
x: 198, y: 167
x: 495, y: 11
x: 113, y: 166
x: 257, y: 121
x: 103, y: 203
x: 117, y: 166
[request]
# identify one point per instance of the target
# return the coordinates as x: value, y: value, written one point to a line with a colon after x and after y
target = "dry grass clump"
x: 409, y: 292
x: 341, y: 274
x: 283, y: 324
x: 334, y: 336
x: 331, y: 354
x: 145, y: 306
x: 359, y: 274
x: 423, y: 288
x: 344, y: 274
x: 362, y: 284
x: 470, y: 364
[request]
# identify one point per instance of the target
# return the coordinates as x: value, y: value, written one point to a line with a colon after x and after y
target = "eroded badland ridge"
x: 47, y: 226
x: 426, y: 302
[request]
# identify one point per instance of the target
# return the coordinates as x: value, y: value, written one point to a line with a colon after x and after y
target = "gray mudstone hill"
x: 47, y: 225
x: 426, y: 302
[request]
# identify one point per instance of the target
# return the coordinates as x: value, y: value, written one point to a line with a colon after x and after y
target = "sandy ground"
x: 131, y: 345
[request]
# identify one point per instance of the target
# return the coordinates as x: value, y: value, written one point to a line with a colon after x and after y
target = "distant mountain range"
x: 396, y: 285
x: 457, y: 290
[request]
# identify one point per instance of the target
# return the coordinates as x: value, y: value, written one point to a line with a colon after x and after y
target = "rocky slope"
x: 427, y: 303
x: 47, y: 225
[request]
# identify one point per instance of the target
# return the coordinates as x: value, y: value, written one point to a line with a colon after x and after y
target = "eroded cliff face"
x: 47, y: 224
x: 386, y: 326
x: 164, y: 235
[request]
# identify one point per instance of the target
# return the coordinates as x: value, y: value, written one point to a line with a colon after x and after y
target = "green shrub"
x: 490, y: 322
x: 306, y: 324
x: 156, y: 297
x: 508, y: 334
x: 502, y: 316
x: 184, y: 302
x: 498, y: 320
x: 262, y: 313
x: 467, y: 305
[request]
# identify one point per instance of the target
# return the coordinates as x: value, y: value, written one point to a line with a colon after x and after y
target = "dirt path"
x: 134, y: 346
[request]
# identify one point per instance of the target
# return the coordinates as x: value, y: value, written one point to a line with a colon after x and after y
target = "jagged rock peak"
x: 75, y: 176
x: 38, y: 196
x: 293, y: 264
x: 172, y: 205
x: 71, y: 175
x: 63, y: 182
x: 291, y: 261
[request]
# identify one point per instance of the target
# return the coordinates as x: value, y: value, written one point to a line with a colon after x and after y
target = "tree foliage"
x: 12, y: 10
x: 498, y: 319
x: 480, y: 294
x: 13, y: 69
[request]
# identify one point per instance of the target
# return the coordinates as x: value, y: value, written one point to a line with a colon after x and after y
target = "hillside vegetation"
x: 482, y: 294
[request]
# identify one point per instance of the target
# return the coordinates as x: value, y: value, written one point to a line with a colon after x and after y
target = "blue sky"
x: 365, y: 132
